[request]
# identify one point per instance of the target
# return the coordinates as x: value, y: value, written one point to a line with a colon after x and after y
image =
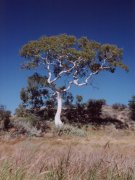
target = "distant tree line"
x: 78, y: 112
x: 37, y: 100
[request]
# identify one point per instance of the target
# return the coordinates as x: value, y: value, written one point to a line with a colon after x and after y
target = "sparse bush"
x: 119, y: 106
x: 36, y: 119
x: 24, y: 126
x: 102, y: 101
x: 132, y: 108
x: 83, y: 113
x: 30, y: 125
x: 28, y: 115
x: 94, y: 108
x: 4, y: 117
x: 32, y: 119
x: 70, y: 131
x: 21, y: 111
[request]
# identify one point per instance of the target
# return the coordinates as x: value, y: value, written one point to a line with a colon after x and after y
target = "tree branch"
x: 75, y: 80
x: 102, y: 67
x: 64, y: 71
x: 69, y: 86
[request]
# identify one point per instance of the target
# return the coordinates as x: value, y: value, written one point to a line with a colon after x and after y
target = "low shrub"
x: 94, y: 108
x: 32, y: 119
x: 131, y: 105
x: 23, y: 126
x: 28, y: 115
x: 70, y: 131
x: 21, y: 111
x: 118, y: 106
x: 4, y: 117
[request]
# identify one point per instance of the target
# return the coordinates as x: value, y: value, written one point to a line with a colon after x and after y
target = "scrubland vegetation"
x: 96, y: 141
x: 32, y: 148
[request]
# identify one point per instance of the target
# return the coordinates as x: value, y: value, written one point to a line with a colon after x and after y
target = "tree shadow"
x: 109, y: 121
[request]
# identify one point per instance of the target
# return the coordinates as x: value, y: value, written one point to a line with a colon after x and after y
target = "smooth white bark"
x: 58, y: 122
x: 75, y: 79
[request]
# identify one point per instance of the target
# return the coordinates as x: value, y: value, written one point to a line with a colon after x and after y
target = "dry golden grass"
x: 101, y: 155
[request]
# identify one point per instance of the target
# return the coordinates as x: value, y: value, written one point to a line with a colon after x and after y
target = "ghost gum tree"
x: 66, y: 61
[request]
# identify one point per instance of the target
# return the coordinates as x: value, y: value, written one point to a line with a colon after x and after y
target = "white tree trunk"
x: 58, y: 122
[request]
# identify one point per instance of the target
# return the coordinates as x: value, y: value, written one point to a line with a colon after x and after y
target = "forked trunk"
x: 58, y: 122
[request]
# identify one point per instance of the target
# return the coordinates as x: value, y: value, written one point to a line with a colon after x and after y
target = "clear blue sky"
x: 111, y: 21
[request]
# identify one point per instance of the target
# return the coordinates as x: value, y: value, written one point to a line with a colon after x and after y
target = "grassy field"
x: 100, y: 155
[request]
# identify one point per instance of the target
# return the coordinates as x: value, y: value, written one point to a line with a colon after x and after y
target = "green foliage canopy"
x: 65, y: 55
